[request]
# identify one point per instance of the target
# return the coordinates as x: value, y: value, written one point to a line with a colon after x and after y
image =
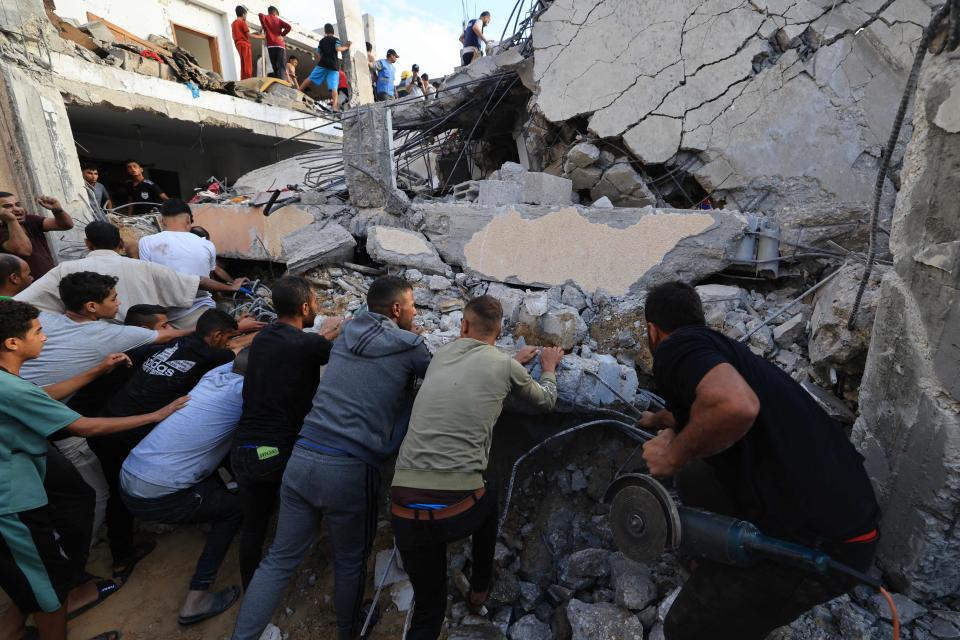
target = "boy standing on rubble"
x: 327, y: 72
x: 439, y: 494
x: 273, y: 30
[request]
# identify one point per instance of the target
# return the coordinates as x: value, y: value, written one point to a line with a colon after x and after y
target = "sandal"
x: 140, y: 551
x: 222, y: 600
x: 105, y: 589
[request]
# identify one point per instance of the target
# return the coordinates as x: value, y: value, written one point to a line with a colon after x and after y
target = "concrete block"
x: 467, y: 191
x: 543, y: 188
x: 405, y: 248
x: 317, y: 244
x: 510, y: 299
x: 585, y: 177
x: 496, y: 193
x: 583, y: 154
x: 542, y: 321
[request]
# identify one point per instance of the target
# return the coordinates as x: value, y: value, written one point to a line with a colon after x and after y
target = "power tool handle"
x: 789, y: 553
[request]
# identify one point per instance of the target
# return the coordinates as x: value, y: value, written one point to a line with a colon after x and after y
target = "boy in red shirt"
x: 241, y: 38
x: 274, y: 29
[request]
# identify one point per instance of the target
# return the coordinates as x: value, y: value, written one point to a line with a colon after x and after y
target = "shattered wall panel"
x: 741, y: 84
x: 909, y: 428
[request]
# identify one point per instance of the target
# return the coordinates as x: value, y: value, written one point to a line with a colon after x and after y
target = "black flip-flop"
x: 105, y: 589
x: 222, y: 600
x: 108, y: 635
x: 140, y: 551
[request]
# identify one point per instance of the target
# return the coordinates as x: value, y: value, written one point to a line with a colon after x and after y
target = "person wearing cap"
x: 409, y: 82
x: 241, y: 39
x: 471, y: 38
x: 386, y: 76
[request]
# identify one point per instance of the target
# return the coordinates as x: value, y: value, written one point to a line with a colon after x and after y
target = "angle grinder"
x: 647, y: 521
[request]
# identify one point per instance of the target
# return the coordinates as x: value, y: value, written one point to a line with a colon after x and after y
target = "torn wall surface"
x: 742, y: 85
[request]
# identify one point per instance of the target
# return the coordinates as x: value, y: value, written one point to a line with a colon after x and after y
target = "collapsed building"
x: 603, y: 148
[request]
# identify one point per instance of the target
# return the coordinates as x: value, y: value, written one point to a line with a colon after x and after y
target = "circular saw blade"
x: 641, y: 523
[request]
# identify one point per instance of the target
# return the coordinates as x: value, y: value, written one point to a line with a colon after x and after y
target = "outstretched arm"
x: 88, y: 427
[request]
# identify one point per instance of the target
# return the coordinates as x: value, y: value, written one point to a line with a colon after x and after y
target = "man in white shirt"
x: 175, y: 247
x: 138, y: 282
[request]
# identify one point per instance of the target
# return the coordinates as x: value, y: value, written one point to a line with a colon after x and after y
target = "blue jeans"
x: 209, y: 502
x: 316, y: 486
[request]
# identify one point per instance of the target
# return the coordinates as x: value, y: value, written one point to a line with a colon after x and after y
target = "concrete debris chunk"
x: 496, y: 193
x: 544, y: 322
x: 582, y: 154
x: 405, y: 248
x: 530, y: 628
x: 545, y: 189
x: 602, y: 621
x: 580, y: 569
x: 315, y: 245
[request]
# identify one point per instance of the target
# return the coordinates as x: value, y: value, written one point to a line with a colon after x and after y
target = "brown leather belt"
x: 438, y: 514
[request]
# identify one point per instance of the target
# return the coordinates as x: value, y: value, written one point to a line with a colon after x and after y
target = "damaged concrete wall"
x: 40, y: 156
x: 909, y: 428
x: 741, y: 85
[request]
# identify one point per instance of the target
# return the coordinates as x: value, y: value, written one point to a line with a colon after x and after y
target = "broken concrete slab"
x: 620, y: 250
x: 274, y: 176
x: 404, y: 248
x: 655, y: 139
x: 317, y: 244
x: 582, y: 154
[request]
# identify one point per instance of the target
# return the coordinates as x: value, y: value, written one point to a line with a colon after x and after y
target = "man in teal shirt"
x: 34, y: 571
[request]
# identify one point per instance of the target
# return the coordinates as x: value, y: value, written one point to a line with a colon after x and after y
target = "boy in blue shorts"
x: 327, y: 72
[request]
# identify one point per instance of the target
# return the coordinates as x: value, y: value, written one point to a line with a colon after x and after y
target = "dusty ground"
x: 146, y: 608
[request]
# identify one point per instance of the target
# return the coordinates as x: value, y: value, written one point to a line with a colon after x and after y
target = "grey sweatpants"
x: 345, y: 492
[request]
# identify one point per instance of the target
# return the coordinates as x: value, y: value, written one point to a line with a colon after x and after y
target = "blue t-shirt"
x: 188, y: 446
x: 386, y: 74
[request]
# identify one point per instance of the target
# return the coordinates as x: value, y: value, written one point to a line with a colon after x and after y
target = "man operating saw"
x: 773, y: 457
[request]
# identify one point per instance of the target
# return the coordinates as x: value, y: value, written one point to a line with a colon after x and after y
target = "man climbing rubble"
x: 439, y: 494
x: 772, y: 456
x: 471, y: 38
x: 327, y: 72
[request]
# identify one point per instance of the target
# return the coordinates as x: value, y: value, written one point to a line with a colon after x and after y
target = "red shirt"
x: 241, y: 32
x: 343, y: 80
x: 274, y: 29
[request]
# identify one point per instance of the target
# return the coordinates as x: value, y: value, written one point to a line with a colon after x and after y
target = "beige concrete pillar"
x: 350, y: 27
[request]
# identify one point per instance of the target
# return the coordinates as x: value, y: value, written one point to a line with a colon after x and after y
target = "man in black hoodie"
x: 358, y: 420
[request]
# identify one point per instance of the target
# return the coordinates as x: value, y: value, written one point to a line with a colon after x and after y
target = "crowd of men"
x: 124, y: 390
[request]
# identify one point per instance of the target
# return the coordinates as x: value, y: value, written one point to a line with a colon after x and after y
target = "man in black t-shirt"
x: 327, y: 72
x: 144, y: 194
x: 777, y: 458
x: 172, y: 368
x: 282, y: 377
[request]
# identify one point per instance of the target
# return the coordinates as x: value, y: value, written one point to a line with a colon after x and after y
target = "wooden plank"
x: 122, y: 34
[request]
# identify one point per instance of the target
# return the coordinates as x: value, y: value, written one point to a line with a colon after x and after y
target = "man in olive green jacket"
x: 438, y: 490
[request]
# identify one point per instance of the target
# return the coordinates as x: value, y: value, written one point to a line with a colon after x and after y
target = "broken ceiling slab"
x: 241, y: 231
x: 621, y: 250
x: 317, y: 244
x: 736, y: 82
x: 405, y: 248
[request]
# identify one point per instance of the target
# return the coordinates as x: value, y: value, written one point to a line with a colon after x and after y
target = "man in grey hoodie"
x: 358, y: 420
